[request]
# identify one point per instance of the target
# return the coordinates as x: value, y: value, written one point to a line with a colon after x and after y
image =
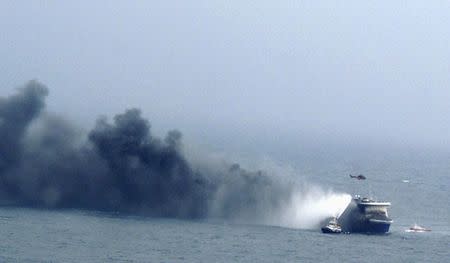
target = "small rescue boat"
x: 417, y: 229
x: 332, y: 227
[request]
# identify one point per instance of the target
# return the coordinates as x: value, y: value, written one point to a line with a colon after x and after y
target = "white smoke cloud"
x: 307, y: 209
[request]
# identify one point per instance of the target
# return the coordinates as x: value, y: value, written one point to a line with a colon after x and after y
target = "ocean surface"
x: 36, y: 235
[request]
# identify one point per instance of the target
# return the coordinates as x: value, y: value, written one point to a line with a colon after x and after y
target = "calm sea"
x: 30, y: 235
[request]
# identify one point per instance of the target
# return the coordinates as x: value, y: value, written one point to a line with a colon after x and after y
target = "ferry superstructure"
x: 364, y: 215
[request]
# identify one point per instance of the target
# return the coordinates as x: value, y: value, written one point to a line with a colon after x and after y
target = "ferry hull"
x: 378, y: 228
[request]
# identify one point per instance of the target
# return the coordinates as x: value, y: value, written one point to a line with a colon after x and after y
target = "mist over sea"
x: 222, y: 131
x: 119, y: 193
x: 72, y: 235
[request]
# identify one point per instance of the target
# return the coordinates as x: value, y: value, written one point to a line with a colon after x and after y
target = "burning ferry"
x: 364, y: 215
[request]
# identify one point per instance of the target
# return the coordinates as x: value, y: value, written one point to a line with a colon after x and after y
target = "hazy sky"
x: 343, y: 70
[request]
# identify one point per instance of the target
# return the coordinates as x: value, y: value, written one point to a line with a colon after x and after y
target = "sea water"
x: 36, y: 235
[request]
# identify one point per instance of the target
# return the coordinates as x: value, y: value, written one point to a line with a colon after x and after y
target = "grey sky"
x: 376, y: 70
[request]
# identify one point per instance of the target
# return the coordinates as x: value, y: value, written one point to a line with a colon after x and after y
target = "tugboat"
x: 417, y: 229
x: 364, y: 215
x: 332, y: 227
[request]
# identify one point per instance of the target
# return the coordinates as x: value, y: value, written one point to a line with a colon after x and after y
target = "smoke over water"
x: 307, y: 209
x: 120, y: 166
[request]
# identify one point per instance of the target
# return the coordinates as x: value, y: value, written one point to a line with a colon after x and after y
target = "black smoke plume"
x: 118, y: 166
